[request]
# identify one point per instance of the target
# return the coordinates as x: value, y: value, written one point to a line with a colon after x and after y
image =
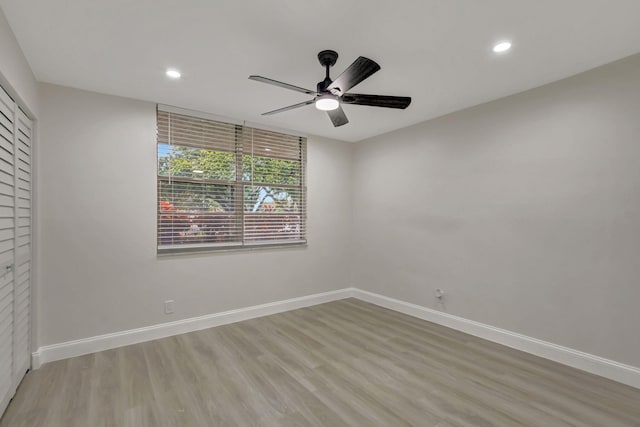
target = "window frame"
x: 238, y: 185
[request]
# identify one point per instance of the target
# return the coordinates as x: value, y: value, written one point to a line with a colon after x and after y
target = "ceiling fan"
x: 329, y: 94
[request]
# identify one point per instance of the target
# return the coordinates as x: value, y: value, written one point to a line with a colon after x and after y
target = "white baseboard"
x: 610, y: 369
x: 35, y: 360
x: 79, y: 347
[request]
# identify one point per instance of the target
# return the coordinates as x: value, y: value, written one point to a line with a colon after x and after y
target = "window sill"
x: 210, y: 249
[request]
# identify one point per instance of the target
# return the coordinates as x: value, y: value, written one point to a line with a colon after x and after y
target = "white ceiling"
x: 437, y: 51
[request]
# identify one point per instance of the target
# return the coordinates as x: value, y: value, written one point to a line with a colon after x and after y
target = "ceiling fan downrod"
x: 328, y: 59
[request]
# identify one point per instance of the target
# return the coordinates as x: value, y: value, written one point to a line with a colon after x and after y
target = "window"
x: 225, y: 185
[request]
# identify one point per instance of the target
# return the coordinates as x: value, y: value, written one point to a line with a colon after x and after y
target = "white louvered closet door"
x: 15, y: 246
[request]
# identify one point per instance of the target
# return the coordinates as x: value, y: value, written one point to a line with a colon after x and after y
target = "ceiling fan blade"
x: 284, y: 85
x: 357, y: 72
x: 290, y: 107
x: 401, y: 102
x: 338, y: 117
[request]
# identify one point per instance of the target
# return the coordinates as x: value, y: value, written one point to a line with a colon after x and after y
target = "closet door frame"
x: 22, y: 366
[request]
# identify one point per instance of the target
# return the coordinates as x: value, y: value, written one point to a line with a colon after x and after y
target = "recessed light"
x: 502, y: 47
x: 197, y: 171
x: 173, y: 73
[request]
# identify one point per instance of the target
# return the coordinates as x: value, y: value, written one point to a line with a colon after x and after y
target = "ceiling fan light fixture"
x: 327, y: 103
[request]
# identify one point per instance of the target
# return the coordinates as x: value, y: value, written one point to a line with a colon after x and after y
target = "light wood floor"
x: 345, y: 363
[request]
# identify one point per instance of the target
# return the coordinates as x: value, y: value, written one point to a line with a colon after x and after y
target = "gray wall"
x: 526, y: 211
x: 15, y: 73
x: 99, y: 272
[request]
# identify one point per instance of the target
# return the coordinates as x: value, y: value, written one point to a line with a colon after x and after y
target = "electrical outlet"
x: 168, y: 306
x: 439, y: 294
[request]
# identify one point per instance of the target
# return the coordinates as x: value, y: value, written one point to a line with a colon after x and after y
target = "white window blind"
x: 224, y: 185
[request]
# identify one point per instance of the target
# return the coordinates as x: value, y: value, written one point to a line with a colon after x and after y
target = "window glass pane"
x: 270, y: 170
x: 271, y: 199
x: 272, y: 213
x: 196, y: 163
x: 193, y: 212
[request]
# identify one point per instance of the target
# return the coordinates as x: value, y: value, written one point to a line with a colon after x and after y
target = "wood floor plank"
x: 344, y: 363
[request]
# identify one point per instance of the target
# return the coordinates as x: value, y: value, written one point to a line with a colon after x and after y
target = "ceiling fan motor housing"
x: 323, y: 85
